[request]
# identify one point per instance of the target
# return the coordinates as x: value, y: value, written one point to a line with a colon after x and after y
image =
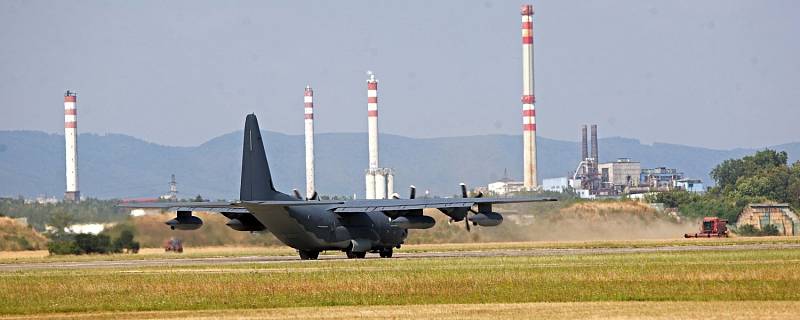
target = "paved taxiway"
x: 400, y: 255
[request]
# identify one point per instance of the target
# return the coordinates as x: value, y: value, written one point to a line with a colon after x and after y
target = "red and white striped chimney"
x: 528, y: 101
x: 308, y: 100
x: 372, y: 119
x: 375, y: 184
x: 71, y: 140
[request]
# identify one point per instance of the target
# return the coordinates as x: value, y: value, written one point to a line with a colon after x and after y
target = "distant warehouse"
x: 780, y: 215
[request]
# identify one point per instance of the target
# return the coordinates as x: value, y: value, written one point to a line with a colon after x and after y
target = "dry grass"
x: 147, y: 254
x: 673, y: 310
x: 746, y: 275
x: 228, y: 251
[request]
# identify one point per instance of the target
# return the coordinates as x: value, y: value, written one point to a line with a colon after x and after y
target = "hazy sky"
x: 717, y: 74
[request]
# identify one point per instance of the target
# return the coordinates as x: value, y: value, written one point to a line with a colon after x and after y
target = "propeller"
x: 412, y: 193
x: 465, y: 194
x: 314, y: 196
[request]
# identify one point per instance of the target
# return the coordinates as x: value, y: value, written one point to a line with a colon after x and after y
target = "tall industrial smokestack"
x: 308, y: 100
x: 594, y: 144
x: 584, y: 143
x: 71, y: 139
x: 372, y: 119
x: 528, y: 101
x: 374, y: 178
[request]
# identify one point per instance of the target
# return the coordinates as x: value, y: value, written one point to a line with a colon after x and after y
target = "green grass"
x: 756, y: 275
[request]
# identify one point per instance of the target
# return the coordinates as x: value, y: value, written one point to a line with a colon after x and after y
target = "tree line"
x: 764, y: 177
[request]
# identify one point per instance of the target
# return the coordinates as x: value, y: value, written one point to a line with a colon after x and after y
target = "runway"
x: 398, y: 255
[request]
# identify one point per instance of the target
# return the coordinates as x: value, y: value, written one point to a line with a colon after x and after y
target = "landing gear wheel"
x: 356, y: 255
x: 308, y: 254
x: 386, y: 253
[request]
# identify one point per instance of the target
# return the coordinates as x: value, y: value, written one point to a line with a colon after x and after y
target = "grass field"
x: 680, y: 284
x: 222, y: 251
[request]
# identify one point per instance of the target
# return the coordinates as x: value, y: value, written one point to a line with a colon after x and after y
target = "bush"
x: 125, y: 242
x: 750, y: 230
x: 89, y: 243
x: 86, y: 243
x: 63, y: 247
x: 770, y: 230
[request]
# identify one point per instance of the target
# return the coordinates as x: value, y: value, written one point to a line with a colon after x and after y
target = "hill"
x: 14, y: 237
x: 113, y: 165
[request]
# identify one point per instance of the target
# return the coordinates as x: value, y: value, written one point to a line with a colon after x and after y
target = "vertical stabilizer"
x: 256, y: 177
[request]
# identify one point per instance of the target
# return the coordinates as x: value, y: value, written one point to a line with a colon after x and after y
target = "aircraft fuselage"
x: 317, y: 228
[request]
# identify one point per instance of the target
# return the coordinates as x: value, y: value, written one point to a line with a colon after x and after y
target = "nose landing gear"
x: 386, y: 253
x: 308, y: 254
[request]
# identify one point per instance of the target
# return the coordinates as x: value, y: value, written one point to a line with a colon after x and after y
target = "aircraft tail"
x: 256, y: 177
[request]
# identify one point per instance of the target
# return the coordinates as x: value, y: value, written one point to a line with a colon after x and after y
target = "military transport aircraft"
x: 311, y: 226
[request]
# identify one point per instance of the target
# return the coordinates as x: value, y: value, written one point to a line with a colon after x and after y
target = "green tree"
x: 764, y: 176
x: 727, y: 174
x: 673, y: 199
x: 60, y: 221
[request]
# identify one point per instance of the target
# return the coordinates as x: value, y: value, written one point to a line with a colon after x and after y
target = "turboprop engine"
x: 488, y: 219
x: 413, y: 222
x: 185, y: 221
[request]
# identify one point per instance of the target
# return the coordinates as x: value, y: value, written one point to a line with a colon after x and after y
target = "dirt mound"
x: 151, y: 231
x: 15, y: 236
x: 618, y: 220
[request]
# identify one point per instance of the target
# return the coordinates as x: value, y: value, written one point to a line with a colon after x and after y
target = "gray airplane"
x: 311, y: 226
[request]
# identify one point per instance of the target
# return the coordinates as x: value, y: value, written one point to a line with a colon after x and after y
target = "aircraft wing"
x: 340, y: 207
x: 224, y: 207
x: 416, y: 204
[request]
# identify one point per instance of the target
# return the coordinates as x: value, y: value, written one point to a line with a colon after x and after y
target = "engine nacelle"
x: 360, y: 245
x: 413, y: 222
x: 487, y: 219
x: 185, y: 221
x: 240, y: 225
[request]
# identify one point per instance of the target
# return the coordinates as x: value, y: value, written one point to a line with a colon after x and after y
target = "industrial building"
x: 660, y: 178
x: 587, y: 175
x: 502, y: 188
x: 762, y: 214
x: 560, y: 184
x: 623, y: 176
x: 690, y: 185
x: 620, y: 174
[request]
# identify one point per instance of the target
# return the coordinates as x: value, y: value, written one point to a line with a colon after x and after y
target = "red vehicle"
x: 711, y: 227
x: 173, y: 245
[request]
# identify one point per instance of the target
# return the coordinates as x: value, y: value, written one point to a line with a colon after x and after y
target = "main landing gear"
x: 308, y: 254
x: 314, y: 254
x: 355, y: 255
x: 384, y: 253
